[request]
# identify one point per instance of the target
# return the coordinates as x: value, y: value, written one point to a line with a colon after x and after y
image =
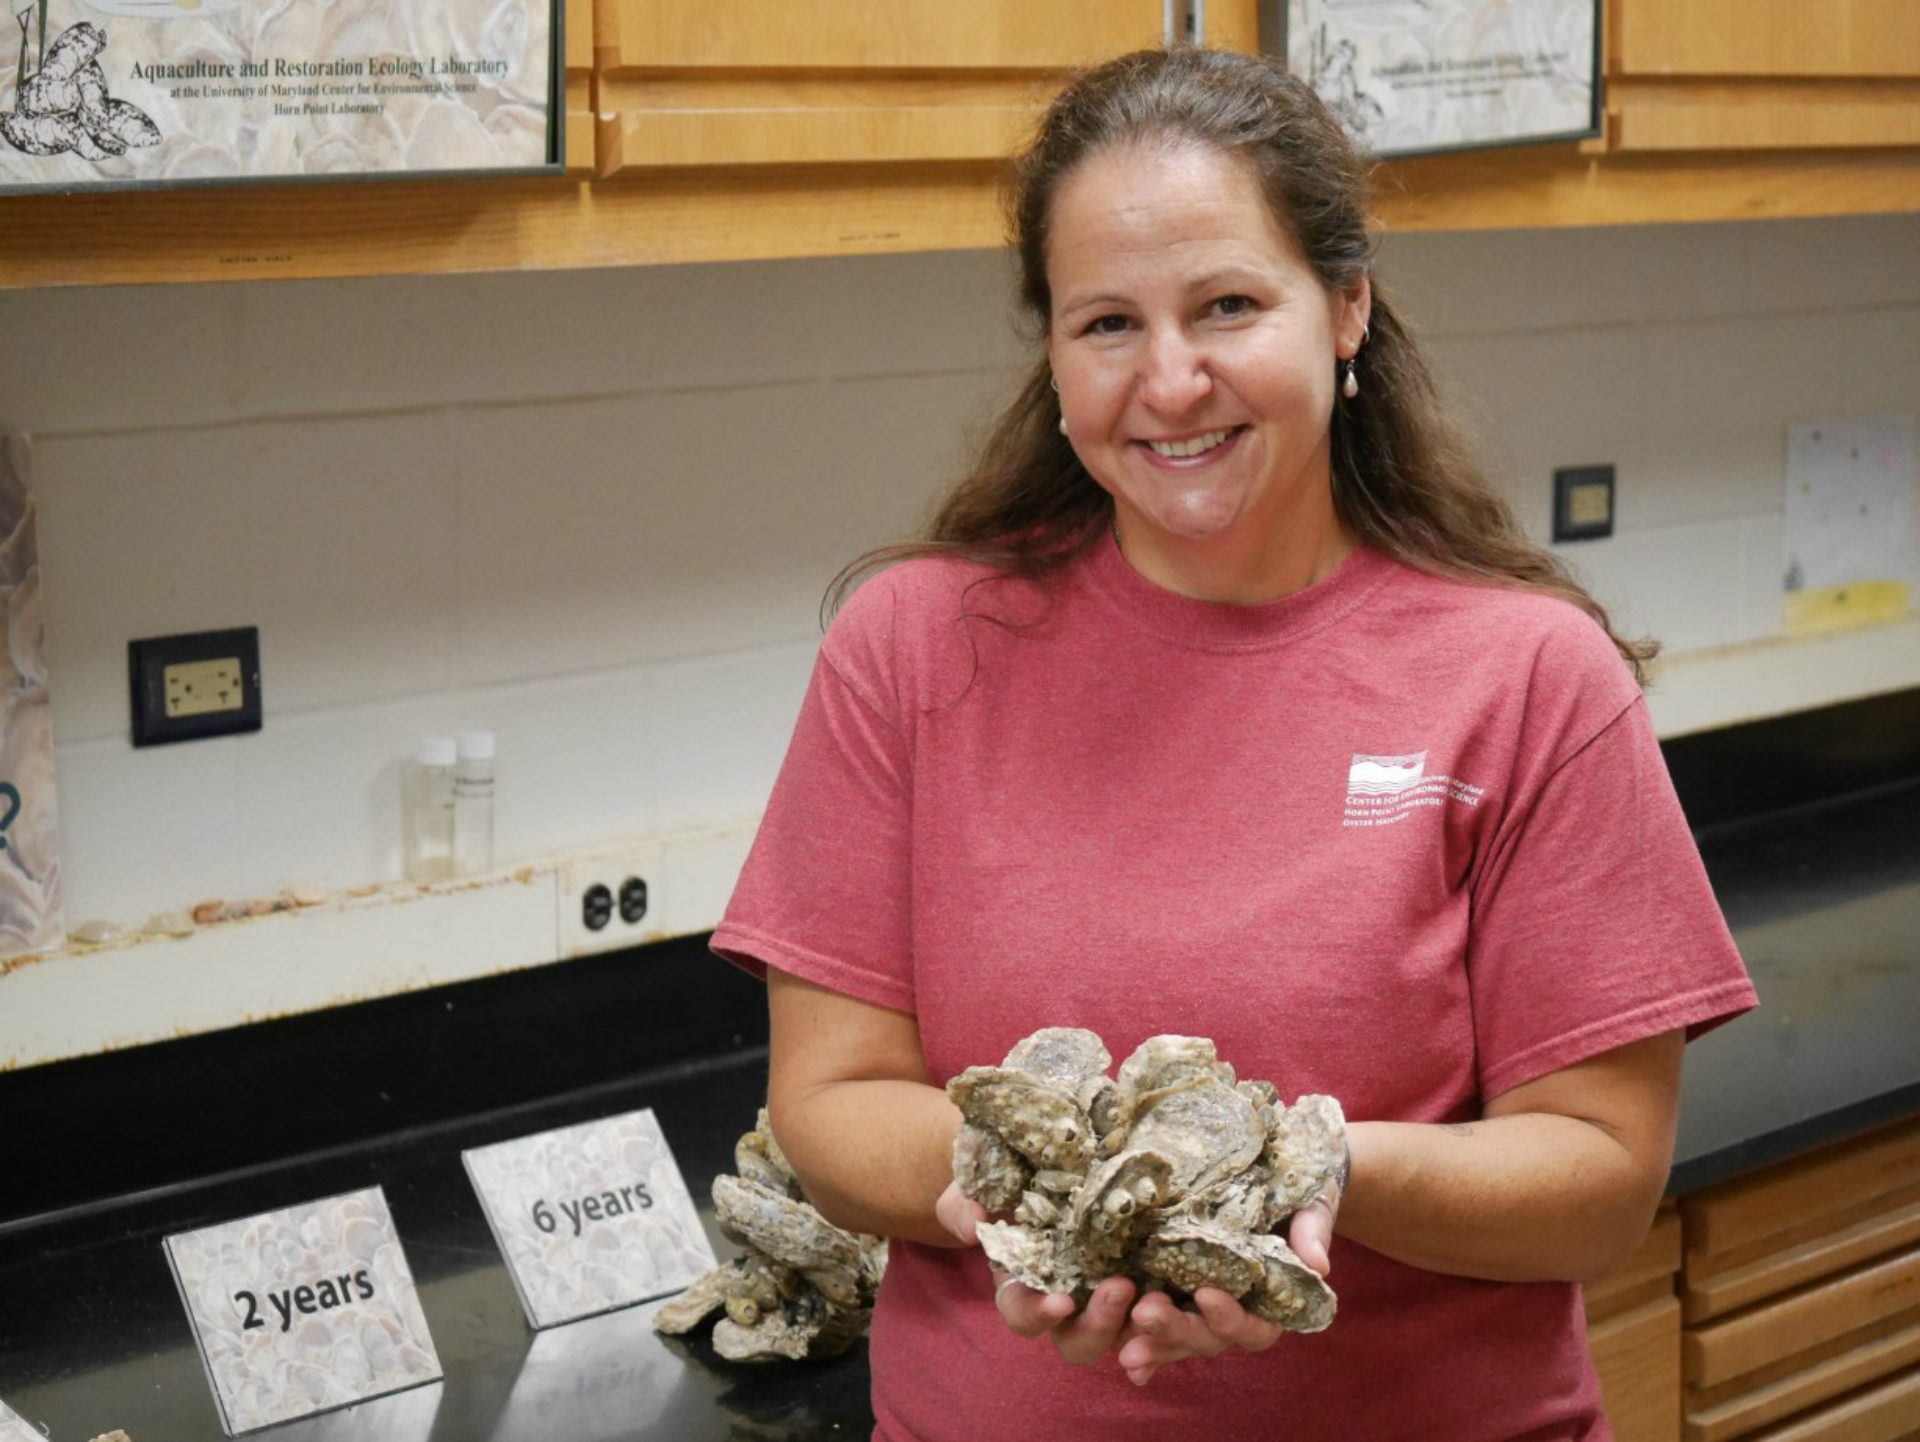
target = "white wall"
x: 597, y: 510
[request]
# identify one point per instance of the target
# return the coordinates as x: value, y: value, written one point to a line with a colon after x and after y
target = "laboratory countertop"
x: 1824, y: 900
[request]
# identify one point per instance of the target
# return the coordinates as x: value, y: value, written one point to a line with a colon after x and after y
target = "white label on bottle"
x: 590, y: 1217
x: 303, y: 1310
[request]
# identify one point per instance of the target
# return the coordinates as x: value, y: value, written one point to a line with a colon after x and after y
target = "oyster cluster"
x: 803, y: 1288
x: 1172, y: 1172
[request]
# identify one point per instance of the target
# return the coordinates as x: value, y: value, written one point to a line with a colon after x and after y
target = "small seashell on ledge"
x: 97, y: 932
x: 169, y: 923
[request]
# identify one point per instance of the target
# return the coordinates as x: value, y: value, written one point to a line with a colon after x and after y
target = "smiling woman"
x: 1193, y: 347
x: 1225, y: 699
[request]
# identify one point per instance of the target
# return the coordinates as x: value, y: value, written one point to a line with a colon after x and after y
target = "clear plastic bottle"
x: 429, y: 810
x: 473, y: 804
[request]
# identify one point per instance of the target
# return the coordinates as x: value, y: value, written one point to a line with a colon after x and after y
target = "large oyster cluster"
x: 1172, y: 1172
x: 802, y: 1288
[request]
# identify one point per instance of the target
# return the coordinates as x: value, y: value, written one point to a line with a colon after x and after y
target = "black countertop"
x: 1824, y: 900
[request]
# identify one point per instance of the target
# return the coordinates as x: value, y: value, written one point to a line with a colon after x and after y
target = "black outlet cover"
x: 1573, y: 484
x: 147, y: 662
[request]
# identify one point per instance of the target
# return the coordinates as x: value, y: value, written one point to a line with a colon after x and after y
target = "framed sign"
x: 29, y: 823
x: 1414, y: 77
x: 117, y: 93
x: 591, y: 1217
x: 303, y: 1310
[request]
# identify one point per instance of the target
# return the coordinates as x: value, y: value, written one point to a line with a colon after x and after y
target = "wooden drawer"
x: 1801, y: 1292
x: 1889, y: 1412
x: 751, y: 83
x: 1834, y: 38
x: 1776, y: 75
x: 1790, y: 1223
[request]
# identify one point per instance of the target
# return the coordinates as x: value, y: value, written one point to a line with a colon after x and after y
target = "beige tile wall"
x: 597, y: 510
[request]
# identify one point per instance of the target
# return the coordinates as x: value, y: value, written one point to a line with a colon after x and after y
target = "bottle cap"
x: 476, y: 746
x: 434, y: 751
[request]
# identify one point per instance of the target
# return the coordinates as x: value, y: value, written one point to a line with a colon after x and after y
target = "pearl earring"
x: 1350, y: 387
x: 1063, y: 425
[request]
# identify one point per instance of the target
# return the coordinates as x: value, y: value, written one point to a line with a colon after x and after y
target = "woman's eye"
x: 1107, y: 325
x: 1231, y: 305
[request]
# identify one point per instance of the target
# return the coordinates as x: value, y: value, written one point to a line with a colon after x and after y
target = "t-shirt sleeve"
x: 825, y: 891
x: 1593, y: 922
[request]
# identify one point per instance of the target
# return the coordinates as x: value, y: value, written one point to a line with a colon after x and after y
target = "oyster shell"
x: 1037, y: 1119
x: 1063, y: 1055
x: 987, y: 1169
x: 1307, y: 1145
x: 1208, y: 1127
x: 1175, y: 1172
x: 802, y: 1288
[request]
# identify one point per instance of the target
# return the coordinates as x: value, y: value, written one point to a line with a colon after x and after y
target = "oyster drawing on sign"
x: 63, y: 104
x: 29, y: 829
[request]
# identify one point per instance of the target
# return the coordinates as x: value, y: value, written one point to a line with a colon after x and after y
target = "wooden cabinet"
x: 1744, y: 75
x: 1801, y: 1298
x: 702, y: 130
x: 578, y: 23
x: 1633, y: 1331
x: 716, y: 83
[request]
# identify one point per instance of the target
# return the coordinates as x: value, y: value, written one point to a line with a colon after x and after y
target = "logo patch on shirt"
x: 1382, y: 790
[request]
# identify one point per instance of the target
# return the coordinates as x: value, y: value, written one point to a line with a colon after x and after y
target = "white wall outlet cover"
x: 609, y: 899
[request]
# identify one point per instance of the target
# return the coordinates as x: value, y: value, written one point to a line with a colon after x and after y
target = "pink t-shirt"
x: 1404, y: 841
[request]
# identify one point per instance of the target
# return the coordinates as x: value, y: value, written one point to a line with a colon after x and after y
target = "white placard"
x: 1849, y: 501
x: 15, y: 1428
x: 303, y: 1310
x: 590, y: 1217
x: 1409, y: 76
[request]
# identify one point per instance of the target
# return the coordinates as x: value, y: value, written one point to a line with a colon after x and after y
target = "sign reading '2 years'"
x: 303, y: 1310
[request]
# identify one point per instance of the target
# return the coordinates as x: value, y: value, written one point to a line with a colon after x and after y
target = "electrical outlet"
x: 184, y: 688
x: 195, y: 688
x: 606, y: 898
x: 1583, y: 503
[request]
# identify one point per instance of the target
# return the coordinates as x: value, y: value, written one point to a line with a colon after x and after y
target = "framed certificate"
x: 117, y: 93
x: 1416, y: 77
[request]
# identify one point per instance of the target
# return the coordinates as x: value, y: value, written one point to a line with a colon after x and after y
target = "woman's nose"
x: 1176, y: 376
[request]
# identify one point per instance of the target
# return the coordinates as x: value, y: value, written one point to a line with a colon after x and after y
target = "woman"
x: 1227, y: 699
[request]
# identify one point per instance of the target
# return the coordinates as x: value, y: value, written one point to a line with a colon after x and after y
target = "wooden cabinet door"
x: 579, y: 132
x: 729, y: 83
x: 1763, y: 74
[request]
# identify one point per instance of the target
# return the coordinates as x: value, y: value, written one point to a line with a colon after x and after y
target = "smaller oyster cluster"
x: 803, y: 1288
x: 1172, y: 1172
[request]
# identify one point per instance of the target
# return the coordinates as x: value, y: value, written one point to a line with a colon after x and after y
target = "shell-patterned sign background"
x: 104, y: 91
x: 304, y: 1309
x: 591, y: 1217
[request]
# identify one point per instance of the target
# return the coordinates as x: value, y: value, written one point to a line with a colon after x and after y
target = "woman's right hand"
x: 1082, y: 1337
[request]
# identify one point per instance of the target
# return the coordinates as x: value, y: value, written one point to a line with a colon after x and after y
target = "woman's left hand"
x: 1160, y: 1332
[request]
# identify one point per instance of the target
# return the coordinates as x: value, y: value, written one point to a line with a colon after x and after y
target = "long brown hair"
x: 1405, y: 479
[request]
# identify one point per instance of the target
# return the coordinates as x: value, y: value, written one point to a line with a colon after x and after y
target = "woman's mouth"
x: 1193, y: 451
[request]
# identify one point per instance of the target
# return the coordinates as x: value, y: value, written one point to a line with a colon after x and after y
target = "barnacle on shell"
x: 801, y: 1288
x: 1174, y: 1172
